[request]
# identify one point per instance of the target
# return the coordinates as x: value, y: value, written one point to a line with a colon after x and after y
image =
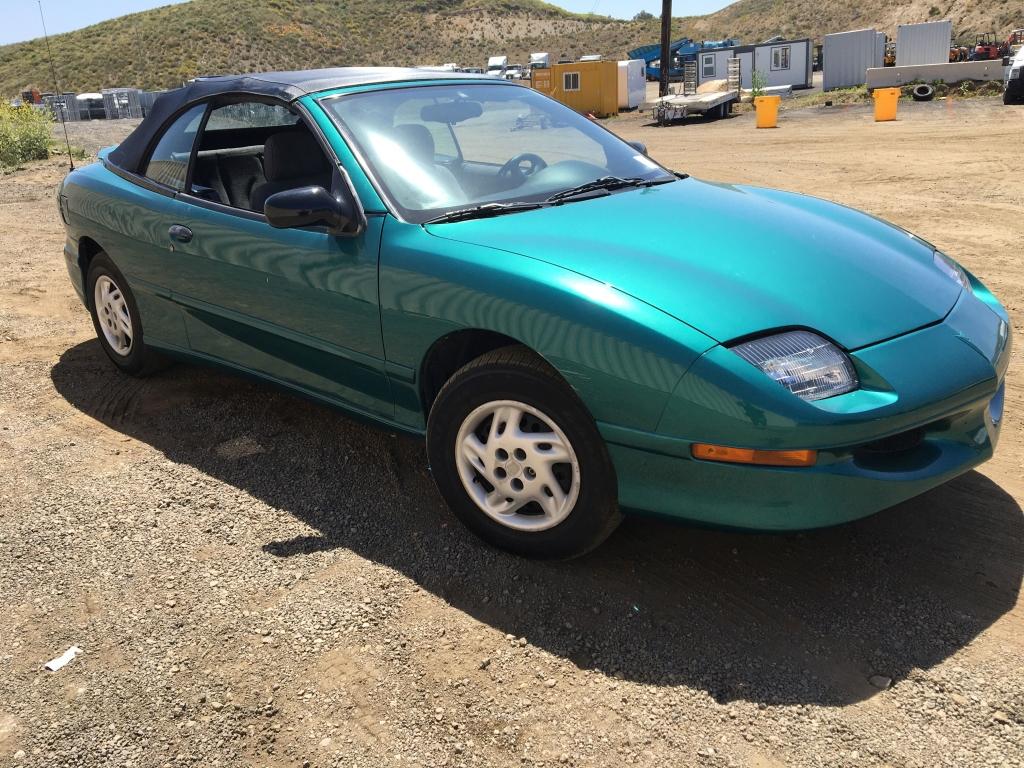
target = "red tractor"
x: 987, y: 48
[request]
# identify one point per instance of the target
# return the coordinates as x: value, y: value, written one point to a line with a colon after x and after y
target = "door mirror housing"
x: 639, y: 146
x: 312, y: 206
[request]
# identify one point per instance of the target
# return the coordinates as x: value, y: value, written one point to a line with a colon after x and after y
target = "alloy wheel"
x: 115, y: 320
x: 517, y: 465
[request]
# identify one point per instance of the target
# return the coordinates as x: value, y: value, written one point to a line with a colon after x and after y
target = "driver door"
x: 296, y: 305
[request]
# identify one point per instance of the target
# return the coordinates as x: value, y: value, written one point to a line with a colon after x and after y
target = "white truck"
x: 540, y: 61
x: 496, y: 66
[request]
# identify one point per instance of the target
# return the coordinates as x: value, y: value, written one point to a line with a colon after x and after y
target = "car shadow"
x: 779, y: 619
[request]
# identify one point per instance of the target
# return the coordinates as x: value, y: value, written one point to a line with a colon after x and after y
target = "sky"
x: 21, y: 17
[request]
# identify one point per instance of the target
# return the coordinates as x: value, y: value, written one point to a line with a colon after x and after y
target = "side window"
x: 168, y: 163
x: 707, y: 66
x: 780, y: 57
x: 250, y: 150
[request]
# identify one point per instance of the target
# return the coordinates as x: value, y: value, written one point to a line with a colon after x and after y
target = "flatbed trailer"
x: 676, y: 106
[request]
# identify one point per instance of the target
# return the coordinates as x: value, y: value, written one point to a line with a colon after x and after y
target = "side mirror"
x: 310, y: 207
x: 639, y: 146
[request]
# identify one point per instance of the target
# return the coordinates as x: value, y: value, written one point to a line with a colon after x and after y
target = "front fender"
x: 622, y: 356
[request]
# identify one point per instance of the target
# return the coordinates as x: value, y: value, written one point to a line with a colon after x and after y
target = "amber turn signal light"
x: 709, y: 452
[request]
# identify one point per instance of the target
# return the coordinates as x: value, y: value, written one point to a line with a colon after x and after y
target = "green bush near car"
x: 24, y: 135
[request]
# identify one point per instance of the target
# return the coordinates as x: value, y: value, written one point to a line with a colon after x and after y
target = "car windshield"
x: 435, y: 149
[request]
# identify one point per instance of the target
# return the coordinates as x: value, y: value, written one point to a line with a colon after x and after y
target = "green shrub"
x: 758, y: 82
x: 24, y: 135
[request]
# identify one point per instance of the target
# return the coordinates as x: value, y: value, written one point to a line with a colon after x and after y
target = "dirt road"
x: 258, y: 580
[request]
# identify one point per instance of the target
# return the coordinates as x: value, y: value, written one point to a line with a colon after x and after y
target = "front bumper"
x: 845, y: 484
x: 929, y: 410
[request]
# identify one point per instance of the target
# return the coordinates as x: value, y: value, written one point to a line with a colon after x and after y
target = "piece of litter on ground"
x: 882, y: 682
x: 64, y: 659
x: 239, y: 448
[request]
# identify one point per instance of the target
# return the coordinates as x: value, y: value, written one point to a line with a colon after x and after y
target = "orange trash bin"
x: 886, y: 100
x: 767, y: 108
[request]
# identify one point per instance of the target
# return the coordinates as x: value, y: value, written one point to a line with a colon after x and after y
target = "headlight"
x: 953, y: 270
x: 1015, y: 73
x: 803, y: 362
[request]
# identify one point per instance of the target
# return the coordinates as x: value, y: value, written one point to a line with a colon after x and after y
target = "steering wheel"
x: 514, y: 166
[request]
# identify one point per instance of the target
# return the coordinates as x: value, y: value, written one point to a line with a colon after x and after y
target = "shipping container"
x: 90, y: 106
x: 586, y: 86
x: 926, y: 43
x: 846, y: 57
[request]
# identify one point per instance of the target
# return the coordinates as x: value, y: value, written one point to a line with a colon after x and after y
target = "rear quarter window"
x: 168, y: 163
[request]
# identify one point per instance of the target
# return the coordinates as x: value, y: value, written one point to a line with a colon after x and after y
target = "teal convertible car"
x: 575, y: 329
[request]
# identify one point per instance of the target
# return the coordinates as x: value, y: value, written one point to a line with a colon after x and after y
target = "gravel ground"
x: 256, y: 580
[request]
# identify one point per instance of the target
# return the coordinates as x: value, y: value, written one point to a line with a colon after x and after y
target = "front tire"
x: 519, y: 459
x: 116, y: 318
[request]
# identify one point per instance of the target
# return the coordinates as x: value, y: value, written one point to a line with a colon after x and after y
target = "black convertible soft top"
x: 286, y: 86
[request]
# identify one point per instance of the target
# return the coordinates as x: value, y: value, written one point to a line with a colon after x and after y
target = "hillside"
x: 162, y: 47
x: 751, y: 20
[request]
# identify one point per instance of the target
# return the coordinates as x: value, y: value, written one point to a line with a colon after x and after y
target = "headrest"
x: 416, y: 140
x: 292, y: 155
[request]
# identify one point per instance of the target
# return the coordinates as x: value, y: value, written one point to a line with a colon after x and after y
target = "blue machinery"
x: 682, y: 50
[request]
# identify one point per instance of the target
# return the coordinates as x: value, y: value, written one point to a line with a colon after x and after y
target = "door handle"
x: 179, y: 233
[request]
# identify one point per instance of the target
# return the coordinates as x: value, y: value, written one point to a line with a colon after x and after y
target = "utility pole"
x: 666, y: 44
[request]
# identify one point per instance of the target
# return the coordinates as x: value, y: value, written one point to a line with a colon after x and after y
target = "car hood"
x: 736, y: 260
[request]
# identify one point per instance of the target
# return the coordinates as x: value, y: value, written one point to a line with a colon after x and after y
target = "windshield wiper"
x: 606, y: 183
x: 483, y: 211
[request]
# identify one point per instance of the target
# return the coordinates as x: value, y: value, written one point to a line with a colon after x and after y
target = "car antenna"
x: 60, y: 94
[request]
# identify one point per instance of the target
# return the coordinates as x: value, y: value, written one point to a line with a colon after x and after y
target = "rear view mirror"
x: 639, y: 146
x: 310, y: 207
x: 451, y: 111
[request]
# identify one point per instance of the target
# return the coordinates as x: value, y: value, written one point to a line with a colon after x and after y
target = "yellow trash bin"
x: 767, y: 111
x: 886, y: 100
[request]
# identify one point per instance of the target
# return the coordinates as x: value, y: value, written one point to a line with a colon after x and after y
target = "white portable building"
x: 783, y: 62
x: 846, y: 57
x: 926, y: 43
x: 632, y: 84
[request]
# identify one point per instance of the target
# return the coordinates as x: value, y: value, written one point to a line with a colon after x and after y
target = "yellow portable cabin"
x: 586, y: 86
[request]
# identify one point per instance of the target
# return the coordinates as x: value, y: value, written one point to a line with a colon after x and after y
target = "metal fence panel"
x: 846, y: 57
x: 63, y: 106
x: 121, y: 103
x: 926, y: 43
x: 146, y: 99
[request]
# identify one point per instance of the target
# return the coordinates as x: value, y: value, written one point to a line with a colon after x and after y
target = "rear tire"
x: 519, y: 459
x: 116, y: 318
